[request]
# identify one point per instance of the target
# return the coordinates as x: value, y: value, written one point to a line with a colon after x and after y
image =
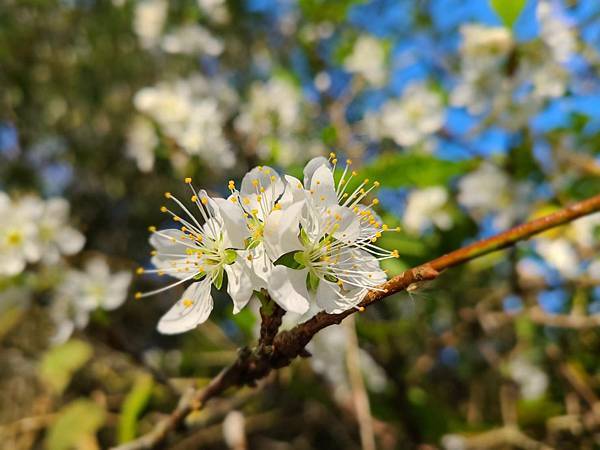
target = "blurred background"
x: 473, y: 115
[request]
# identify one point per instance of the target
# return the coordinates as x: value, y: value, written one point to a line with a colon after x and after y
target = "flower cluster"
x: 33, y: 230
x: 302, y: 243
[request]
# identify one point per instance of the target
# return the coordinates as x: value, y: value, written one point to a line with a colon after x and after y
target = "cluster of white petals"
x: 310, y: 243
x: 368, y: 58
x: 33, y: 230
x: 191, y: 113
x: 409, y: 120
x: 82, y: 292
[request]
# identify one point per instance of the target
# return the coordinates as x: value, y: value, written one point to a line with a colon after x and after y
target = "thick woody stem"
x: 278, y: 350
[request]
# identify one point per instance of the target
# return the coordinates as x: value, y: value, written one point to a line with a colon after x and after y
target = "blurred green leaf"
x: 326, y: 10
x: 60, y: 363
x: 75, y: 425
x: 134, y: 404
x: 508, y: 10
x: 394, y: 170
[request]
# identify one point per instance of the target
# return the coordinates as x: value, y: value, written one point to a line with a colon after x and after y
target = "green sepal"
x: 312, y: 282
x: 289, y: 260
x: 230, y: 256
x: 331, y: 278
x: 218, y: 279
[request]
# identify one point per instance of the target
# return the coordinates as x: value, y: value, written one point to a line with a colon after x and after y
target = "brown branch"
x: 255, y: 364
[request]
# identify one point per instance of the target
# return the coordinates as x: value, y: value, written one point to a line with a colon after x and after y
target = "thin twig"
x: 255, y: 364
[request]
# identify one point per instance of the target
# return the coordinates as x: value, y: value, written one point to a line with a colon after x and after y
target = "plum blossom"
x: 368, y: 59
x: 82, y: 292
x: 149, y: 20
x: 533, y: 382
x: 410, y: 119
x: 202, y: 253
x: 425, y: 207
x: 141, y: 142
x: 332, y: 241
x: 34, y: 230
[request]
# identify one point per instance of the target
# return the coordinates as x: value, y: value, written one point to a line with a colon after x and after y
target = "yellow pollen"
x: 254, y: 212
x: 246, y: 201
x: 267, y: 171
x: 184, y: 229
x: 188, y: 180
x: 376, y: 201
x: 139, y: 270
x: 318, y: 182
x: 366, y: 180
x: 277, y: 206
x: 152, y: 229
x: 163, y: 209
x: 187, y: 303
x: 332, y: 155
x: 322, y: 198
x: 395, y: 254
x: 299, y: 185
x: 194, y: 198
x: 349, y: 162
x: 273, y: 178
x: 153, y: 253
x: 354, y: 173
x: 361, y: 309
x: 138, y: 295
x: 259, y: 198
x: 254, y: 183
x: 176, y: 218
x: 167, y: 195
x: 334, y: 161
x: 233, y: 200
x: 384, y: 227
x: 204, y: 200
x: 345, y: 195
x: 376, y: 183
x: 262, y: 189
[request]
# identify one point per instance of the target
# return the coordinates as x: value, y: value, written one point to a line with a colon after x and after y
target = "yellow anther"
x: 139, y: 270
x: 194, y: 198
x: 163, y: 209
x: 188, y: 180
x: 378, y: 234
x: 395, y: 254
x: 204, y: 200
x: 397, y: 229
x: 249, y: 257
x: 334, y: 161
x: 152, y: 229
x: 384, y: 227
x: 167, y: 195
x: 267, y: 171
x: 273, y: 178
x: 366, y: 180
x: 361, y: 309
x: 262, y: 189
x: 176, y: 218
x: 331, y: 155
x: 187, y: 302
x: 153, y: 253
x: 299, y: 185
x: 376, y: 183
x: 259, y: 198
x: 138, y: 295
x: 233, y: 200
x: 161, y: 273
x: 246, y: 201
x: 184, y: 229
x: 348, y: 162
x: 322, y: 198
x: 318, y: 182
x: 277, y: 206
x: 374, y: 239
x: 254, y: 211
x: 376, y: 201
x: 255, y: 183
x: 354, y: 173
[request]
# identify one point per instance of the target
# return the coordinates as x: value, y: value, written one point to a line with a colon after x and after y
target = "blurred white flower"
x: 555, y: 32
x: 81, y: 292
x: 215, y: 10
x: 425, y: 207
x: 411, y: 119
x: 328, y: 349
x: 532, y: 381
x: 488, y: 190
x: 148, y: 21
x: 55, y: 236
x: 193, y: 113
x: 454, y: 442
x: 234, y: 430
x: 586, y: 231
x: 192, y: 39
x: 368, y: 59
x: 18, y: 233
x: 593, y: 269
x: 560, y: 254
x: 33, y: 230
x: 141, y: 142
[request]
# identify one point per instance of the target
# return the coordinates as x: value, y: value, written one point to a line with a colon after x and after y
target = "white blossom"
x: 193, y: 113
x: 215, y: 10
x: 202, y: 253
x: 82, y: 292
x: 425, y: 207
x: 586, y: 231
x: 191, y: 39
x: 409, y: 120
x: 141, y: 143
x: 532, y: 381
x: 368, y: 60
x: 560, y: 254
x: 557, y: 35
x: 149, y: 20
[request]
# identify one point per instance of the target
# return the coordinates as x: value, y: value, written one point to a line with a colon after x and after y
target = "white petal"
x: 260, y: 266
x: 328, y: 298
x: 70, y: 241
x: 311, y: 167
x: 322, y: 188
x: 294, y: 191
x: 280, y: 234
x: 348, y: 229
x: 234, y: 222
x: 117, y: 290
x: 181, y: 318
x: 239, y: 284
x: 288, y: 288
x: 11, y: 263
x: 169, y: 241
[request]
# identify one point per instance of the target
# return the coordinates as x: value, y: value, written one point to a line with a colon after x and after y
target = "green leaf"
x: 293, y: 260
x: 394, y: 170
x: 59, y: 364
x: 508, y: 10
x: 134, y: 404
x: 75, y: 425
x: 230, y: 256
